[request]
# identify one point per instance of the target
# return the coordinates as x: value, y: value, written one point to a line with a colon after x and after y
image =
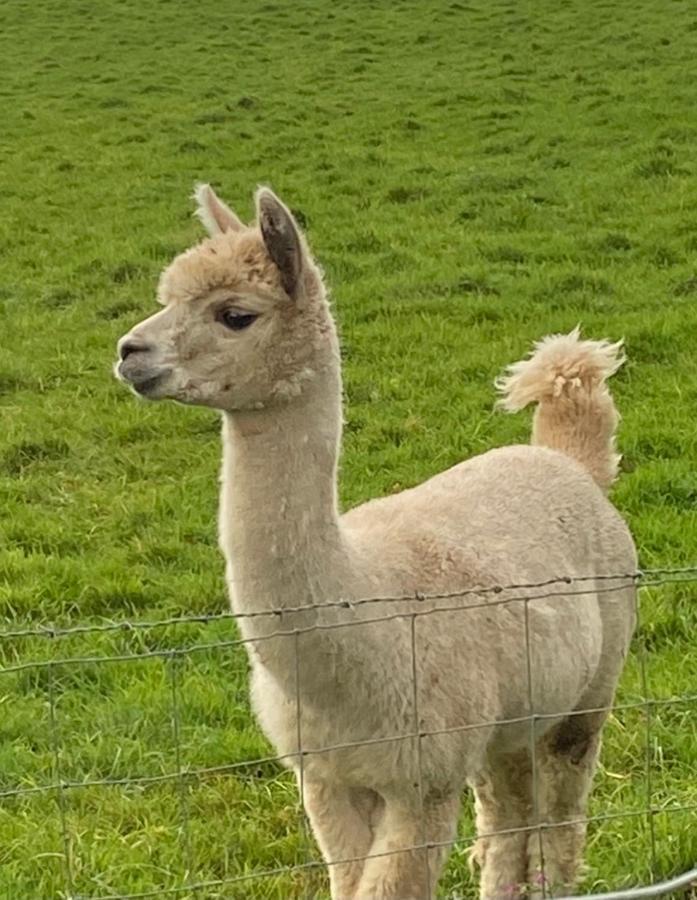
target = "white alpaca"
x: 246, y: 329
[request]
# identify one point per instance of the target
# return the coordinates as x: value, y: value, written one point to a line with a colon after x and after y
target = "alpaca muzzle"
x: 137, y: 369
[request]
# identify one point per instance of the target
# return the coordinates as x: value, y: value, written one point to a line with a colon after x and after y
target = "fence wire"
x: 407, y: 607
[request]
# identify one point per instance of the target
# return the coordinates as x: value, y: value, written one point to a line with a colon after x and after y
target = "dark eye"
x: 237, y: 321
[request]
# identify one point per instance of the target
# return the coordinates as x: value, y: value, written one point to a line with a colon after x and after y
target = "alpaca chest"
x: 325, y: 746
x: 329, y: 710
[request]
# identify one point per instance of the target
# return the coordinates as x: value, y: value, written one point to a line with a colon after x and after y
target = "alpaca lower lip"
x: 144, y: 380
x: 146, y: 387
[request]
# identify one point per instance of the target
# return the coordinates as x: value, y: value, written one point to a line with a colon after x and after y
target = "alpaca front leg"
x: 393, y: 871
x: 341, y: 817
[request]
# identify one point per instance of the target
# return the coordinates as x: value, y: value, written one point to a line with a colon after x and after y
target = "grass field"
x: 472, y: 175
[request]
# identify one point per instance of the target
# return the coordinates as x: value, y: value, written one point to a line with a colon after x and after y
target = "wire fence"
x: 51, y: 662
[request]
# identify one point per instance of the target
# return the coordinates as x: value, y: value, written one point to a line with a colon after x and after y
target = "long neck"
x: 279, y: 520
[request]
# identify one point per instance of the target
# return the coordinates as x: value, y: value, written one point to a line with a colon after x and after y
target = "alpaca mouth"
x: 145, y: 384
x: 147, y: 387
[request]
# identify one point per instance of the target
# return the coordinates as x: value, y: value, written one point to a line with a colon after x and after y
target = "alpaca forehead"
x: 236, y: 262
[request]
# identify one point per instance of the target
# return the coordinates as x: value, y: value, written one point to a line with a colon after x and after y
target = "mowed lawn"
x: 472, y: 175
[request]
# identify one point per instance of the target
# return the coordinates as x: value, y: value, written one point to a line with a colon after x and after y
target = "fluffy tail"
x: 566, y: 377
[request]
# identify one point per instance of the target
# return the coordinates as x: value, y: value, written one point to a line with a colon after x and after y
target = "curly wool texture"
x: 567, y: 377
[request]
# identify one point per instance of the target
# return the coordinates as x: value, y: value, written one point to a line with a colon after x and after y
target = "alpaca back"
x: 518, y: 515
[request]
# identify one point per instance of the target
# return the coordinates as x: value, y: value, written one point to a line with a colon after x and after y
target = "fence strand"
x: 646, y: 578
x: 229, y: 768
x: 682, y: 880
x: 330, y: 626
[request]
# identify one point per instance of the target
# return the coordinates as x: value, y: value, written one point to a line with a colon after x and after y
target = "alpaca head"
x: 245, y: 323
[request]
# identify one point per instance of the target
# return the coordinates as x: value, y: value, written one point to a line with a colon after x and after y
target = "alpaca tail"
x: 566, y: 377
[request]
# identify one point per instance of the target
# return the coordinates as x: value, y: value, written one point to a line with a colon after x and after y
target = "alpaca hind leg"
x: 503, y: 803
x: 395, y: 872
x: 566, y: 760
x: 341, y: 820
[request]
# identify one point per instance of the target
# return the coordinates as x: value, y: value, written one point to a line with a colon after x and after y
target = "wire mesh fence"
x: 203, y: 655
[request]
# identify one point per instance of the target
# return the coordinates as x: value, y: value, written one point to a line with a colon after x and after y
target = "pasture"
x: 472, y: 174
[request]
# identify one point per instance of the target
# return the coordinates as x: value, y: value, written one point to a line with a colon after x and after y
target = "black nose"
x: 131, y: 346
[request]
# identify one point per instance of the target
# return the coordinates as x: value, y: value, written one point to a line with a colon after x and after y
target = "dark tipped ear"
x: 282, y: 238
x: 216, y: 216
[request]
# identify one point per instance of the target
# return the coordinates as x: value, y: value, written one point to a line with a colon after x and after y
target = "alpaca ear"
x: 282, y: 238
x: 216, y: 216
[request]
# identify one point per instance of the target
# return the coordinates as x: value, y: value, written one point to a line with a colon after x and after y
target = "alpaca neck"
x: 279, y: 518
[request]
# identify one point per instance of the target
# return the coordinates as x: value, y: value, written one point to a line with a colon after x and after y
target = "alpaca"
x: 439, y: 687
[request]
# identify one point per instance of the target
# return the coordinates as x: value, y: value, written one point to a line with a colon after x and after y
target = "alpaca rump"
x: 245, y: 327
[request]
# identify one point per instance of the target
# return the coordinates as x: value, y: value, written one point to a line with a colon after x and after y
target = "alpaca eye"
x: 237, y: 321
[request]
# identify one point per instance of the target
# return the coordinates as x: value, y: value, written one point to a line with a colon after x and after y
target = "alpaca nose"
x: 131, y: 345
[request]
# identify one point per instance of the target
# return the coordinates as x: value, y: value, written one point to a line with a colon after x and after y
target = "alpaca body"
x: 423, y: 695
x: 475, y: 525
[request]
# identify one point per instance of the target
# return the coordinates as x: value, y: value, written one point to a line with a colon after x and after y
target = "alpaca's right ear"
x: 281, y: 236
x: 216, y: 216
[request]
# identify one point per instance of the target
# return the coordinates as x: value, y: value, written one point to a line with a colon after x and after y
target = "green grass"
x: 472, y: 176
